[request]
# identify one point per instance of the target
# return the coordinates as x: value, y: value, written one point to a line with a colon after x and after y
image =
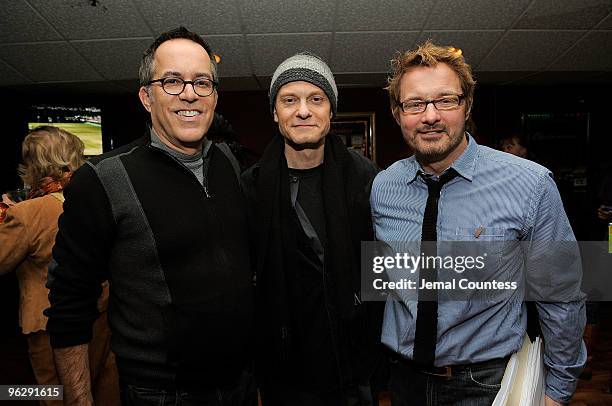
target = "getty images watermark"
x: 405, y: 262
x: 558, y: 271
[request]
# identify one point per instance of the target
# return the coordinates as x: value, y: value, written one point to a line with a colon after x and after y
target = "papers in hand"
x: 523, y: 382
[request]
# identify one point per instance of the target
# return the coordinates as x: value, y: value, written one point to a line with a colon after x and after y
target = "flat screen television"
x: 83, y: 121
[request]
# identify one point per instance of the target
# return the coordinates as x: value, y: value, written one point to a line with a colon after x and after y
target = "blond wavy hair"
x: 429, y: 54
x: 49, y: 151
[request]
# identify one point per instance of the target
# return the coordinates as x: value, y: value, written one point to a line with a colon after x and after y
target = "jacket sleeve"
x: 14, y: 244
x: 80, y: 257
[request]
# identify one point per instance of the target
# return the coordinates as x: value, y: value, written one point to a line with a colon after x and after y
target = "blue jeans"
x: 471, y: 385
x: 244, y: 393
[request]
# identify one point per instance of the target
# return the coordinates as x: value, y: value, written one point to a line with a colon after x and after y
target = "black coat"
x: 346, y: 182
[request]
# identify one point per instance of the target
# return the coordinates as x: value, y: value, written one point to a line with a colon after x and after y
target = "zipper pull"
x: 206, y: 192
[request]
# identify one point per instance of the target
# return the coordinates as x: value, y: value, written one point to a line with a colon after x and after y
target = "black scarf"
x: 277, y: 222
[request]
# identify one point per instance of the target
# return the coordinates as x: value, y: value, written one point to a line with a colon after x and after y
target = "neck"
x: 437, y: 167
x: 183, y: 148
x: 304, y: 158
x: 187, y: 149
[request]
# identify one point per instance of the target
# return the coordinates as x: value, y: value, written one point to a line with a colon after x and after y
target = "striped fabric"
x: 500, y: 198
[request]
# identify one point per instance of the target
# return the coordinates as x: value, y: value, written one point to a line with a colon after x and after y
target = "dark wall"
x: 579, y: 150
x: 13, y: 122
x: 497, y: 109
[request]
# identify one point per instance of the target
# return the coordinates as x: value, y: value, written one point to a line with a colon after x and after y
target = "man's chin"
x: 430, y: 151
x: 192, y: 136
x: 300, y: 146
x: 430, y: 156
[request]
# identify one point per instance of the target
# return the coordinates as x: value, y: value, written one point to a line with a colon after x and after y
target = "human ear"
x: 145, y: 98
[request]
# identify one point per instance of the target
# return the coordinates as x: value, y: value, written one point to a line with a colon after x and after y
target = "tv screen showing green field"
x: 83, y: 121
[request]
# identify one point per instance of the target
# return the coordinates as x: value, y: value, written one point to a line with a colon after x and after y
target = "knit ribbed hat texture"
x: 305, y: 67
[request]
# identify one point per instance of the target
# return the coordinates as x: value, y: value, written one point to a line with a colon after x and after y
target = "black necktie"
x: 426, y: 334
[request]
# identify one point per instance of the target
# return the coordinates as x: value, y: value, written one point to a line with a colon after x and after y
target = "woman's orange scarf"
x: 46, y: 186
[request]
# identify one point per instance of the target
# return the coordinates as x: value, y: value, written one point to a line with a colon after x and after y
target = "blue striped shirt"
x: 505, y: 198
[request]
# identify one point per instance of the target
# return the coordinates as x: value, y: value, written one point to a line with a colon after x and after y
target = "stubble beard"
x: 434, y: 153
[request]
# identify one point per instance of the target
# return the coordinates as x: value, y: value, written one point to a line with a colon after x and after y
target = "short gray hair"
x: 147, y: 65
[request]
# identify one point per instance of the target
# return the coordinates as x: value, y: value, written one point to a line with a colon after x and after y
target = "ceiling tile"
x: 287, y: 15
x: 474, y: 44
x: 9, y: 76
x: 606, y: 24
x: 382, y: 15
x: 77, y: 19
x: 19, y: 15
x: 235, y: 58
x: 267, y: 51
x: 590, y: 53
x: 201, y: 16
x: 474, y: 14
x: 528, y: 50
x: 368, y: 51
x: 570, y: 15
x: 52, y: 61
x: 127, y: 54
x: 64, y: 41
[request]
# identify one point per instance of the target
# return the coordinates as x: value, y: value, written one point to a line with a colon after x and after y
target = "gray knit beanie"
x: 309, y: 68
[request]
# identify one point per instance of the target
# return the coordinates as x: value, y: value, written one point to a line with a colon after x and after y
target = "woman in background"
x: 27, y: 234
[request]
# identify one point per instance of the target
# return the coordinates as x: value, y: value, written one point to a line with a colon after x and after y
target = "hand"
x: 604, y: 214
x: 6, y: 200
x: 549, y: 402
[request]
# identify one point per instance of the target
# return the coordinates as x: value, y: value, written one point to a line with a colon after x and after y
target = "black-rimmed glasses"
x: 445, y: 103
x: 174, y: 86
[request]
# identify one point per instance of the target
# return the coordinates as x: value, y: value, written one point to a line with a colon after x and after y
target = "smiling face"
x: 181, y: 121
x: 303, y: 113
x: 437, y: 137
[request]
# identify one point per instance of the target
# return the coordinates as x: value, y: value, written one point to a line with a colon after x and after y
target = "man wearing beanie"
x: 317, y: 343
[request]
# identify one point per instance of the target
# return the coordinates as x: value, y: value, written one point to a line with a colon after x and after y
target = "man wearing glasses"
x: 164, y: 220
x: 452, y: 189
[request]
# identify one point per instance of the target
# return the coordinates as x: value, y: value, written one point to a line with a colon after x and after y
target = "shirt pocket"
x: 481, y: 241
x: 480, y: 233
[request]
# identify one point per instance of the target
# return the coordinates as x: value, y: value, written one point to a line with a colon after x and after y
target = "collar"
x: 464, y: 165
x: 157, y: 142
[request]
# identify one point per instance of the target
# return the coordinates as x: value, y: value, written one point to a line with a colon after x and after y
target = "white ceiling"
x: 69, y: 42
